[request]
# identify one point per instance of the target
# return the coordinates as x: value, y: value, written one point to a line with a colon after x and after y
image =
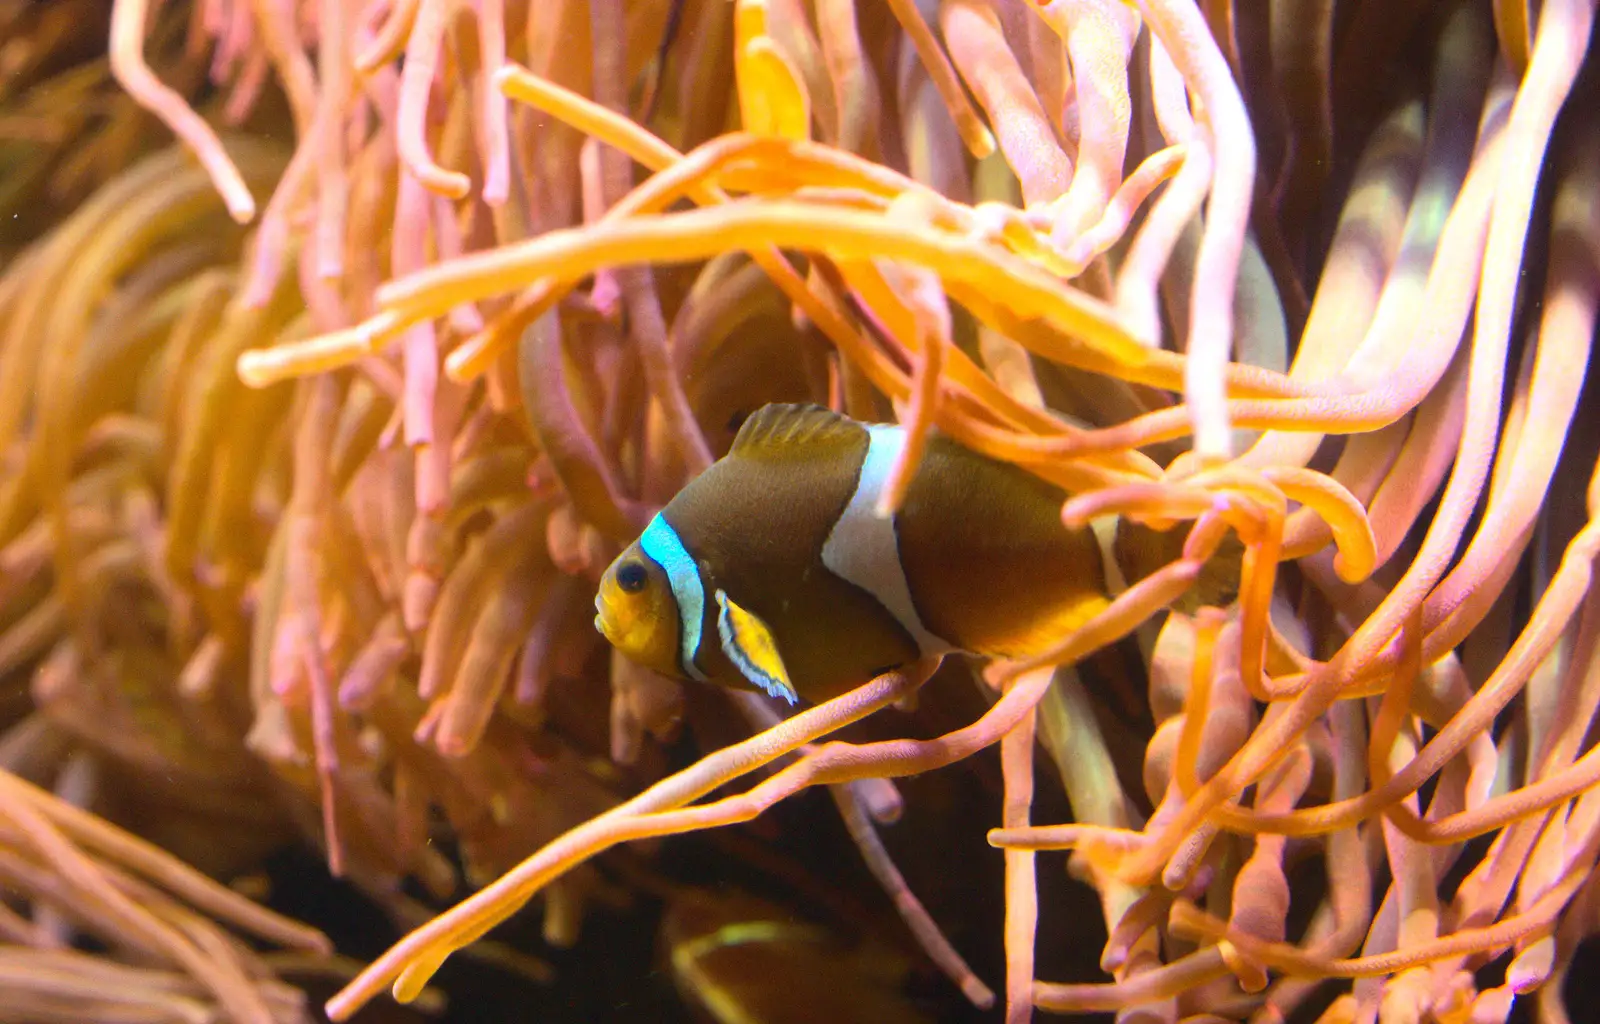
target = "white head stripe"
x: 864, y: 549
x: 660, y: 542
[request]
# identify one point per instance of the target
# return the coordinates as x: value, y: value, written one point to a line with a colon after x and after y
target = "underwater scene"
x: 789, y: 511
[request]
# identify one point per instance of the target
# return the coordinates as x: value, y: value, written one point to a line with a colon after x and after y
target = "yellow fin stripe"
x: 749, y: 645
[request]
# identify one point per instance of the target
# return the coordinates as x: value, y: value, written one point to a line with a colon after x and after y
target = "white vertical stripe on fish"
x: 863, y: 548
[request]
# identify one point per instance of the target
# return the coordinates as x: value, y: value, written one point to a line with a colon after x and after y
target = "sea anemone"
x: 1316, y: 282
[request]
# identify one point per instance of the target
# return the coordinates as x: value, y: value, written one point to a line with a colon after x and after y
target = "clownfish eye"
x: 631, y: 577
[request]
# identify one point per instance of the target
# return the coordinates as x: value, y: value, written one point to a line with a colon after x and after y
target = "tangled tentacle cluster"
x: 1057, y: 232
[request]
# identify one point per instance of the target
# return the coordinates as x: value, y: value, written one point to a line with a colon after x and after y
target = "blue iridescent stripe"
x: 663, y: 546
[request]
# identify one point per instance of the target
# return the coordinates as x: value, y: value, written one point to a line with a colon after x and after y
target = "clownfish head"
x: 638, y: 612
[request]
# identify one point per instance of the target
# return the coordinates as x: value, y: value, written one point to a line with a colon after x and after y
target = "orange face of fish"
x: 637, y: 613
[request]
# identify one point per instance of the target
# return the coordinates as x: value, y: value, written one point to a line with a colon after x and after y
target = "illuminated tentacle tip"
x: 1357, y: 555
x: 1103, y: 848
x: 450, y: 184
x: 262, y: 367
x: 980, y: 141
x: 416, y: 975
x: 1061, y: 837
x: 977, y: 993
x: 1531, y: 968
x: 1076, y: 514
x: 1493, y: 1004
x: 472, y: 358
x: 772, y: 99
x: 504, y: 75
x: 1247, y: 971
x: 1352, y: 570
x: 259, y: 368
x: 236, y: 196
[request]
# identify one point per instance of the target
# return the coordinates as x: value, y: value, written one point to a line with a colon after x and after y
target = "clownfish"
x: 773, y: 570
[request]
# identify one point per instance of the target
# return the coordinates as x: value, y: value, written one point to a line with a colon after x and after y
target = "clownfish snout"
x: 607, y: 618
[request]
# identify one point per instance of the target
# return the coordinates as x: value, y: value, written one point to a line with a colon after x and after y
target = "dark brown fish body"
x: 780, y: 573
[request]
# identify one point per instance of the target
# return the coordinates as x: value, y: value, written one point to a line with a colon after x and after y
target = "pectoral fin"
x: 748, y: 643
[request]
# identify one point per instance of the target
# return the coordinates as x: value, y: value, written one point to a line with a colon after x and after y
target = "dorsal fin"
x: 795, y: 431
